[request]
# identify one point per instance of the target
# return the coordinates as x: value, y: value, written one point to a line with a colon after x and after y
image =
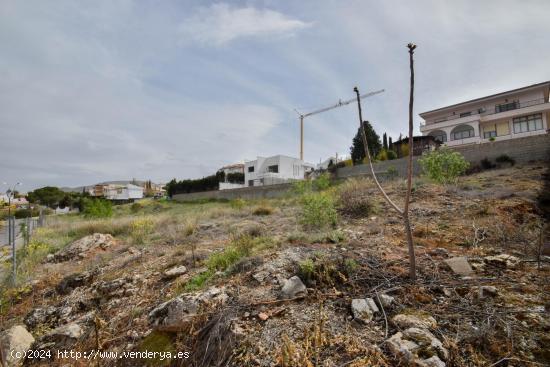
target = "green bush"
x: 443, y: 165
x: 24, y: 213
x: 392, y: 173
x: 301, y: 187
x: 391, y: 155
x: 322, y: 182
x: 97, y: 208
x: 318, y: 210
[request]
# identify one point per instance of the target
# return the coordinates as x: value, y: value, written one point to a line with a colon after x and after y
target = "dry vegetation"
x: 247, y: 249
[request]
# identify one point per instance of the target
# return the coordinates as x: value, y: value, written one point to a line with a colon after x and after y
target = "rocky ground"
x: 246, y: 284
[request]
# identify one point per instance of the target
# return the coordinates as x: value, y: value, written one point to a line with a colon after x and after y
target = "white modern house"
x: 232, y: 169
x: 513, y: 114
x: 275, y: 170
x: 126, y: 192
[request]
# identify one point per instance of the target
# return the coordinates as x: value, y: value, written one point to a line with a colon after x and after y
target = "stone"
x: 50, y: 258
x: 263, y: 316
x: 502, y: 261
x: 293, y: 287
x: 433, y: 361
x: 372, y: 305
x: 488, y: 291
x: 81, y: 247
x: 15, y: 340
x: 413, y: 344
x: 175, y: 272
x: 363, y: 309
x: 427, y: 341
x: 260, y: 276
x: 39, y: 316
x: 440, y: 251
x: 386, y: 300
x: 405, y: 321
x: 183, y: 308
x: 113, y: 288
x: 70, y: 282
x: 402, y: 348
x: 64, y: 336
x: 459, y: 265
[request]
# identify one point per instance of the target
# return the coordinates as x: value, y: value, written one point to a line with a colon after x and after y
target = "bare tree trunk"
x: 405, y: 212
x: 412, y: 260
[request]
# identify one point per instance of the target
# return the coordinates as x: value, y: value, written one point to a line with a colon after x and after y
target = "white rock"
x: 293, y: 287
x: 386, y: 300
x: 15, y: 340
x: 502, y: 260
x: 175, y: 271
x: 363, y: 309
x: 405, y: 321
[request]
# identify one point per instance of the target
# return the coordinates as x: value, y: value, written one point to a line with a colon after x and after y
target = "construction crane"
x: 339, y: 104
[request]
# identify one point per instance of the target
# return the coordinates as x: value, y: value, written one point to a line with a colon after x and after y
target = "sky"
x: 111, y: 90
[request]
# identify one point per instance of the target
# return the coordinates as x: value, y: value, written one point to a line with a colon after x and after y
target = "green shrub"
x: 97, y: 208
x: 443, y: 165
x: 237, y: 204
x: 503, y: 158
x: 391, y: 155
x: 140, y: 229
x: 322, y: 182
x: 382, y: 155
x: 355, y: 198
x: 301, y: 187
x: 318, y: 210
x: 24, y: 213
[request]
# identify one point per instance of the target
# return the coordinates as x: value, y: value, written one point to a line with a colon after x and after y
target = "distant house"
x: 233, y: 176
x: 275, y: 170
x: 126, y: 192
x: 421, y: 144
x: 508, y: 115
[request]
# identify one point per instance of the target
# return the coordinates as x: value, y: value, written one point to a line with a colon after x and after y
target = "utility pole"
x: 11, y: 231
x: 325, y: 109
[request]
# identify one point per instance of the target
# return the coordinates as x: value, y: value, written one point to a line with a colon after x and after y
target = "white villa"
x: 231, y: 169
x: 275, y: 170
x: 508, y: 115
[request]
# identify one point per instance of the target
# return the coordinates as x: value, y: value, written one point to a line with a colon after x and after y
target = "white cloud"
x: 221, y: 23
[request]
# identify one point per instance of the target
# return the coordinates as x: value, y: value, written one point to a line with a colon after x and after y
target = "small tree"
x: 357, y: 149
x: 444, y: 165
x: 385, y: 141
x: 405, y: 211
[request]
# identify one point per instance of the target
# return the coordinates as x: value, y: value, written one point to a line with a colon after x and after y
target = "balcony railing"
x: 497, y: 109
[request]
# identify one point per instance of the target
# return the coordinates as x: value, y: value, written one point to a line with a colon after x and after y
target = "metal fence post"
x: 13, y: 249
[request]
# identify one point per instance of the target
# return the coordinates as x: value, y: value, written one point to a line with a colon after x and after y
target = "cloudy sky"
x: 104, y: 90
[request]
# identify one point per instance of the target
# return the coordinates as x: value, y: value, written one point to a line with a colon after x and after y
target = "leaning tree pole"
x: 404, y: 213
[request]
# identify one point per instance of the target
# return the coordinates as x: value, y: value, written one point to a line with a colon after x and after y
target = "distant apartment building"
x: 421, y: 144
x: 233, y: 176
x: 513, y: 114
x: 275, y: 170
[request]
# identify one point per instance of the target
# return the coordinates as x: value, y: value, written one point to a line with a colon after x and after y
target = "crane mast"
x: 325, y: 109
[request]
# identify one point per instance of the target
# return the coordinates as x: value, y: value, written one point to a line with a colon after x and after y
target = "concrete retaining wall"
x: 255, y: 192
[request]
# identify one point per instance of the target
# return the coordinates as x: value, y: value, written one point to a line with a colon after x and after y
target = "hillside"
x: 263, y: 283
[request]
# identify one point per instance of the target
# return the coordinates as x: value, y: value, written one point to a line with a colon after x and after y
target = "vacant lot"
x: 213, y: 278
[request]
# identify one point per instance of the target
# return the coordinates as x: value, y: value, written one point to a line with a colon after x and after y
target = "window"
x: 251, y: 169
x: 506, y: 106
x: 273, y: 169
x: 251, y: 182
x: 528, y: 123
x: 489, y: 134
x: 439, y: 136
x: 462, y: 132
x: 464, y: 114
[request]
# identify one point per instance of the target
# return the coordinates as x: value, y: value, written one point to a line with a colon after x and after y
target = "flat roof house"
x: 233, y: 176
x: 513, y: 114
x: 275, y: 170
